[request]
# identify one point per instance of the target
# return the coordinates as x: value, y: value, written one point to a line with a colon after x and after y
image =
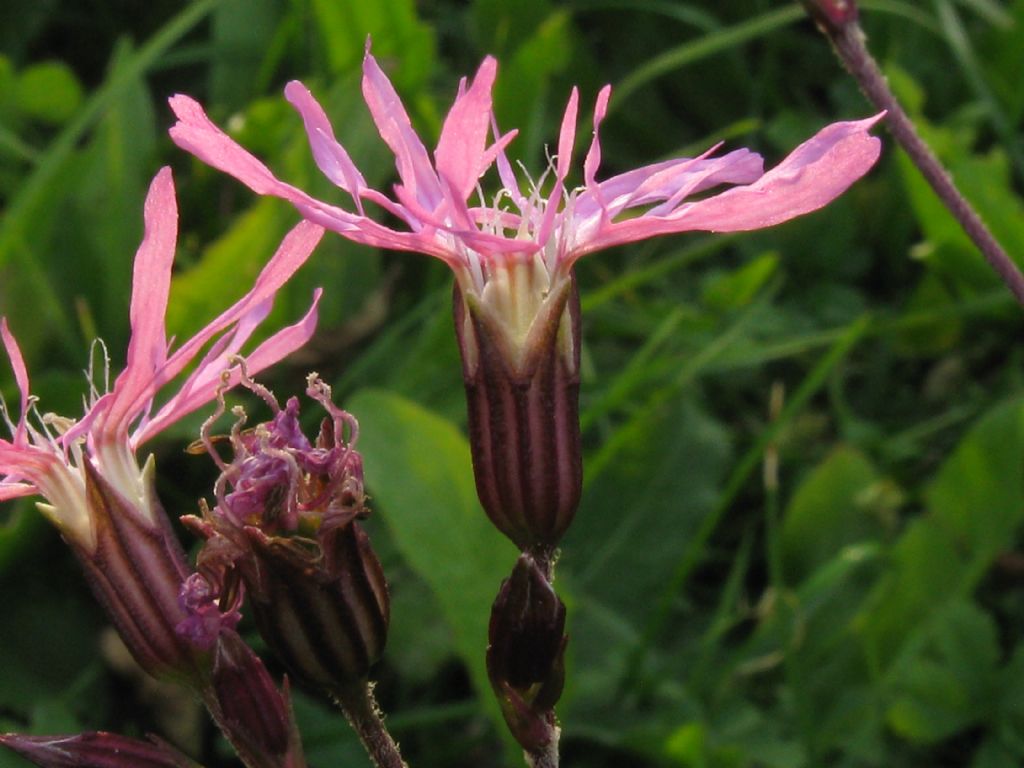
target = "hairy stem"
x: 360, y: 707
x: 849, y: 42
x: 548, y: 757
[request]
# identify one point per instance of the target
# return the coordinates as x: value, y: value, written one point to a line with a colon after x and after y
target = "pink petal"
x: 244, y: 315
x: 285, y: 341
x: 505, y: 172
x: 566, y: 138
x: 151, y: 282
x: 661, y: 181
x: 411, y: 158
x: 593, y: 159
x: 27, y: 465
x: 460, y: 149
x: 195, y: 133
x: 10, y: 491
x: 813, y: 175
x: 331, y: 158
x: 293, y: 252
x: 20, y: 376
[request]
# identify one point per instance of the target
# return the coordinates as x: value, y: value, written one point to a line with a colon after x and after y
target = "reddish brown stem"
x: 848, y: 39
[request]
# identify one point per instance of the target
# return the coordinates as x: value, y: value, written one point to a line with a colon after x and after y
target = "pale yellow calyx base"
x: 523, y: 309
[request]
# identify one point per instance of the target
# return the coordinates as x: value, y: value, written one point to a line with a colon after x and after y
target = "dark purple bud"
x: 522, y: 393
x: 525, y: 658
x: 832, y: 15
x: 248, y: 707
x: 96, y: 749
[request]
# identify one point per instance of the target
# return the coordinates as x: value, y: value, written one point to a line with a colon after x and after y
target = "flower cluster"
x: 513, y: 256
x: 283, y: 537
x: 106, y: 507
x: 53, y: 455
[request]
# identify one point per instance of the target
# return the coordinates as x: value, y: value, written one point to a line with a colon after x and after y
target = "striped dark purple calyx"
x: 522, y: 395
x: 322, y: 606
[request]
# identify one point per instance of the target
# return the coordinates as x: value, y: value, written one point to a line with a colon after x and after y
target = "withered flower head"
x: 283, y: 532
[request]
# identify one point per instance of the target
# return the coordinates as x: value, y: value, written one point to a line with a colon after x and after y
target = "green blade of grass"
x: 708, y: 45
x: 697, y: 546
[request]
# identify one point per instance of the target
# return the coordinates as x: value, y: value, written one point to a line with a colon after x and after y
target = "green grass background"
x: 863, y: 605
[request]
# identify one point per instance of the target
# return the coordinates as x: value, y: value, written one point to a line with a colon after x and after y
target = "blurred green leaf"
x: 985, y: 180
x: 926, y: 571
x: 242, y: 32
x: 831, y: 508
x: 519, y: 99
x: 976, y: 503
x: 397, y: 34
x: 116, y: 168
x: 18, y: 532
x: 736, y: 289
x: 49, y: 91
x: 978, y: 495
x: 946, y: 686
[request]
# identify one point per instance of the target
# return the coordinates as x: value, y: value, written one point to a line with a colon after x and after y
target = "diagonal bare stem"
x: 360, y: 707
x: 848, y: 39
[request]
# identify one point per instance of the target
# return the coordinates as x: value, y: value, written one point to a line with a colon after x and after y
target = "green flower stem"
x: 360, y: 707
x: 849, y: 42
x: 546, y: 759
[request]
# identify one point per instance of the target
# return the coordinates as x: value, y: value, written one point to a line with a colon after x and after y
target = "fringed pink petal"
x: 291, y: 254
x: 10, y: 491
x: 460, y: 149
x: 812, y: 176
x: 593, y: 159
x: 285, y: 341
x: 20, y: 377
x: 151, y: 281
x: 201, y: 387
x: 26, y: 464
x: 505, y: 172
x: 566, y: 138
x: 195, y: 133
x: 330, y: 156
x: 496, y: 150
x: 658, y: 182
x: 411, y: 158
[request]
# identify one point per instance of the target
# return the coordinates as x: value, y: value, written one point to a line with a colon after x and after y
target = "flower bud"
x: 248, y: 707
x: 285, y: 527
x: 135, y: 568
x: 95, y: 749
x: 522, y: 392
x: 525, y: 656
x: 832, y: 15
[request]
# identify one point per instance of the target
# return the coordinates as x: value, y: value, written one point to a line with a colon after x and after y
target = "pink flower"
x: 546, y: 232
x: 62, y: 460
x: 516, y: 313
